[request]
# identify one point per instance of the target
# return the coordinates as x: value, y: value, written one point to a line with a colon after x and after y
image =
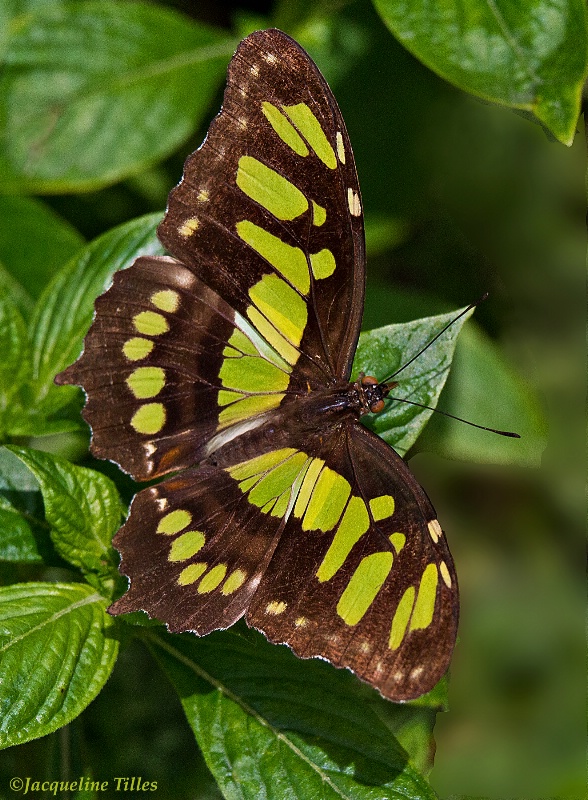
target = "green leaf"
x: 64, y: 310
x: 14, y: 361
x: 529, y: 56
x: 34, y: 242
x: 57, y: 650
x: 24, y: 536
x: 272, y: 725
x: 383, y: 351
x: 84, y: 510
x: 72, y: 122
x: 485, y: 390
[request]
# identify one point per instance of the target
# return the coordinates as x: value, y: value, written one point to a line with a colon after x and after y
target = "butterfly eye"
x: 377, y: 406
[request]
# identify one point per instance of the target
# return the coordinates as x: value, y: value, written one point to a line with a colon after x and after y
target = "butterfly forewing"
x: 268, y: 211
x: 229, y: 365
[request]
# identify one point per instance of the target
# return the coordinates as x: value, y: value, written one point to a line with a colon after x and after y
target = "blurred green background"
x: 461, y: 197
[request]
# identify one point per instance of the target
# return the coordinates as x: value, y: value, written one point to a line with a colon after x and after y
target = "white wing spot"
x: 340, y: 147
x: 353, y: 202
x: 435, y: 530
x: 188, y: 227
x: 416, y: 673
x: 445, y: 574
x: 254, y: 70
x: 276, y: 607
x: 203, y: 195
x: 270, y: 58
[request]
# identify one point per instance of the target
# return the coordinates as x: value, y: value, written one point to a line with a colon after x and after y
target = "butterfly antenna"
x: 459, y: 419
x: 434, y: 339
x: 388, y: 386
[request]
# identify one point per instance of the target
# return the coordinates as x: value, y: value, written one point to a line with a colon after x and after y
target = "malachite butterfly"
x: 229, y: 366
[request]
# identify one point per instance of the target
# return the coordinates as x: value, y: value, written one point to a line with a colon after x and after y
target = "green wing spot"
x: 398, y: 540
x: 137, y: 348
x: 270, y: 189
x: 235, y: 580
x: 248, y: 483
x: 249, y: 374
x: 311, y: 129
x: 255, y: 466
x: 225, y: 397
x: 150, y: 323
x: 146, y: 382
x: 273, y: 337
x: 401, y: 618
x: 319, y: 214
x: 282, y: 306
x: 382, y: 507
x: 284, y: 129
x: 282, y: 503
x: 191, y: 573
x: 278, y: 480
x: 186, y: 545
x: 174, y: 522
x: 166, y: 300
x: 212, y: 579
x: 365, y: 583
x: 307, y: 487
x: 322, y: 263
x: 425, y: 603
x: 327, y: 502
x: 242, y: 343
x: 149, y: 419
x: 286, y: 258
x: 248, y: 407
x: 354, y: 524
x: 256, y: 340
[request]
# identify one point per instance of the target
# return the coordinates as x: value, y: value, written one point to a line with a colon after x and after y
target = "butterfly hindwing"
x: 378, y: 591
x: 324, y: 544
x: 194, y: 549
x: 268, y: 212
x: 166, y: 368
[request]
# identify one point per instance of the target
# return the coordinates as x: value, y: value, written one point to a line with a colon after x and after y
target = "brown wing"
x: 273, y: 191
x: 324, y: 541
x: 373, y: 589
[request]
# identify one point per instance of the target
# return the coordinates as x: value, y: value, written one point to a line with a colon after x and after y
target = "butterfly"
x: 226, y: 367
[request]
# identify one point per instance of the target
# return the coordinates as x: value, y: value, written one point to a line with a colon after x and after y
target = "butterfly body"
x: 227, y: 368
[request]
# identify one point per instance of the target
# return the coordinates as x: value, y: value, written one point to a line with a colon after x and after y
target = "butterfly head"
x: 372, y: 394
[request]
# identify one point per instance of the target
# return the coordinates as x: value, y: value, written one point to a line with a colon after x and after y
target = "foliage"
x: 266, y: 723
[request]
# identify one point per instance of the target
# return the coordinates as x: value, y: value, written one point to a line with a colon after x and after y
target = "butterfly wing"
x: 268, y: 212
x: 170, y: 370
x: 374, y: 588
x: 325, y: 542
